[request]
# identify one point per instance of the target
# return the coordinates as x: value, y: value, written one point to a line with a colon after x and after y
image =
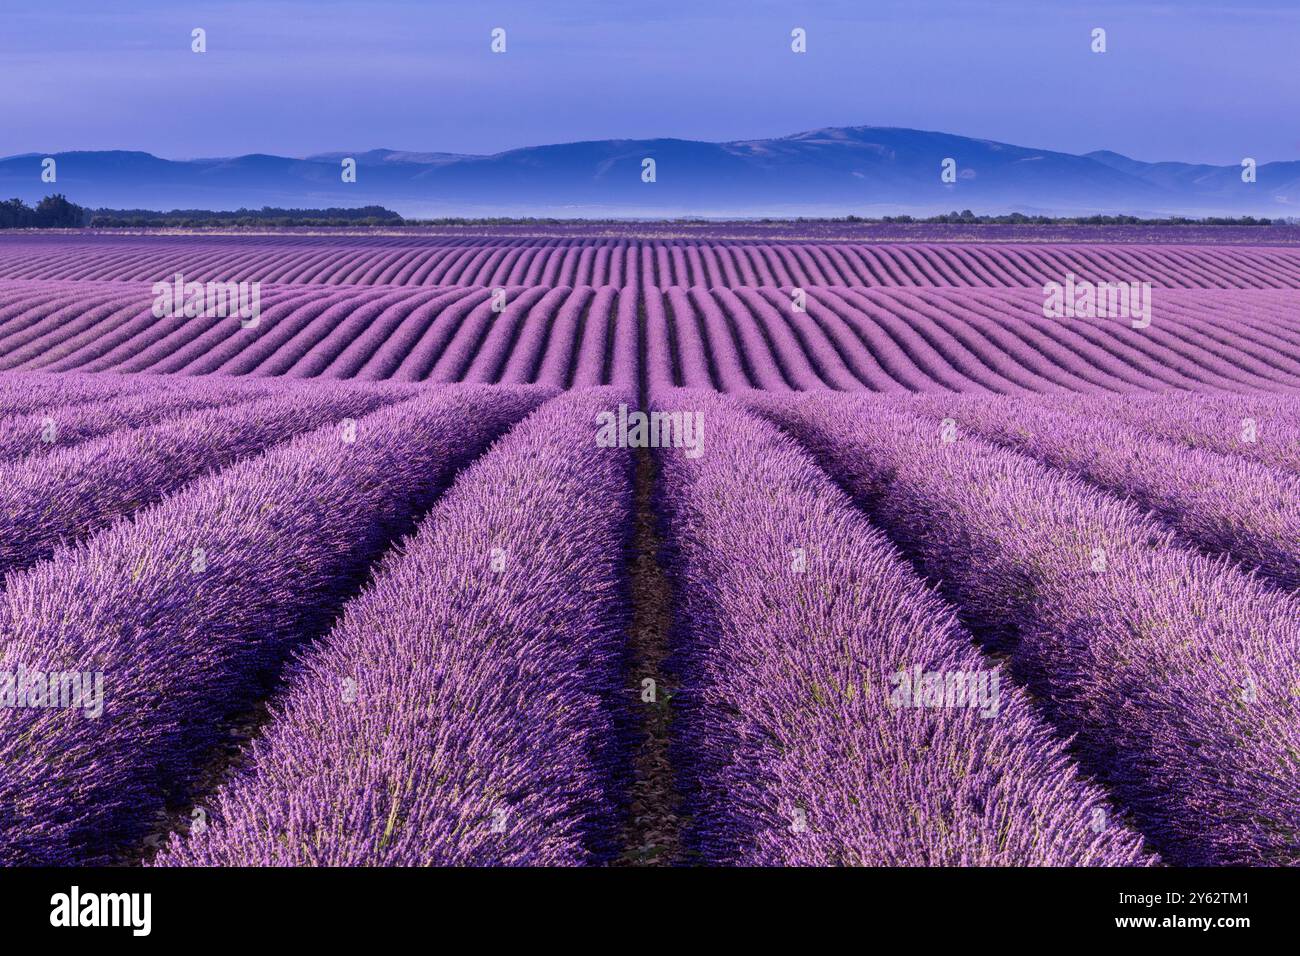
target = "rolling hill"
x: 827, y: 172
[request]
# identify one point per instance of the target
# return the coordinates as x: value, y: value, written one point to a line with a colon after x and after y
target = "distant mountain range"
x: 862, y: 170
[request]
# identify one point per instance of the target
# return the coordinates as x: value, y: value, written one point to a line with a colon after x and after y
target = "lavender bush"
x: 466, y: 710
x: 798, y: 741
x: 189, y: 610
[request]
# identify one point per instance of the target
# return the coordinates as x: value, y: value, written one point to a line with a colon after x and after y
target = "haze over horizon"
x: 1197, y: 81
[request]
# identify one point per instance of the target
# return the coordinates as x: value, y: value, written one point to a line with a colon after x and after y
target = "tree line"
x: 57, y: 212
x: 52, y: 212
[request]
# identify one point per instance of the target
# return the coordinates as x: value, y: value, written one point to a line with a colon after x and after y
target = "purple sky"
x: 1190, y: 80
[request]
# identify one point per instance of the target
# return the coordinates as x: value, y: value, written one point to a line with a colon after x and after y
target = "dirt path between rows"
x: 652, y: 835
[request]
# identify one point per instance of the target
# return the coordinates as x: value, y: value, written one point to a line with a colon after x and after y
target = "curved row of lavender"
x: 76, y: 491
x: 801, y: 734
x: 469, y: 708
x: 890, y: 340
x: 188, y: 611
x: 838, y: 338
x: 55, y: 428
x: 1222, y: 503
x: 24, y: 393
x: 1176, y: 672
x: 1260, y: 428
x: 633, y: 261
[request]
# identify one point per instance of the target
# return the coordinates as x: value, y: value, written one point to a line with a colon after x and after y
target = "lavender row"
x: 731, y: 255
x: 466, y: 709
x: 828, y: 708
x: 71, y: 493
x: 837, y: 337
x: 1175, y: 671
x: 24, y: 393
x: 1261, y: 428
x: 1222, y: 503
x: 187, y: 612
x: 58, y: 428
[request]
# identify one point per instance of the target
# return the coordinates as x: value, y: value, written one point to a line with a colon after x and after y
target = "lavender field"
x: 619, y: 546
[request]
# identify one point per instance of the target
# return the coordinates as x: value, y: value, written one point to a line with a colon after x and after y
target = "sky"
x: 1195, y: 80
